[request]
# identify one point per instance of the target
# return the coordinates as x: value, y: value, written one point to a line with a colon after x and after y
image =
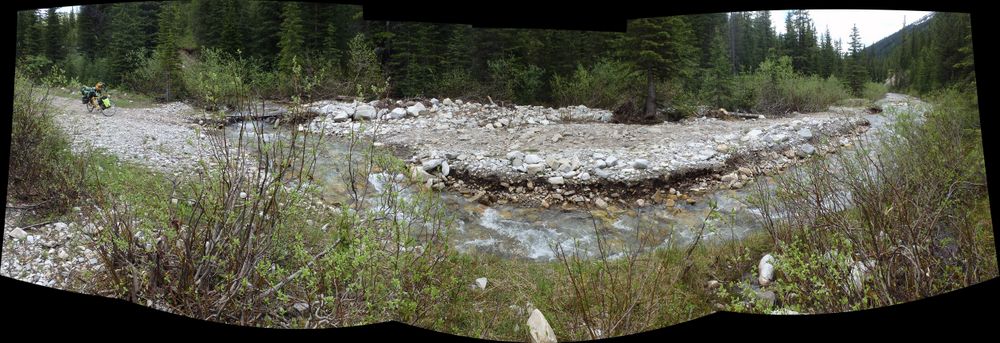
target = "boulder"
x: 539, y: 328
x: 445, y: 168
x: 640, y: 164
x: 806, y: 150
x: 533, y: 159
x: 429, y: 165
x: 417, y: 109
x: 534, y: 169
x: 515, y: 155
x: 17, y: 233
x: 557, y: 180
x: 397, y: 113
x: 340, y: 116
x: 481, y: 282
x: 364, y: 112
x: 805, y: 133
x: 584, y: 176
x: 766, y: 270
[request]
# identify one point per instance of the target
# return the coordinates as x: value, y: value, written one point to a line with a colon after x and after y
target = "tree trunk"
x: 650, y: 95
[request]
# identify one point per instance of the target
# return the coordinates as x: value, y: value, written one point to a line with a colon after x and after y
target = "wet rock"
x: 557, y: 180
x: 539, y: 328
x: 766, y: 270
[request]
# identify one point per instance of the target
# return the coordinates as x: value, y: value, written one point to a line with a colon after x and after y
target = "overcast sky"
x: 873, y: 25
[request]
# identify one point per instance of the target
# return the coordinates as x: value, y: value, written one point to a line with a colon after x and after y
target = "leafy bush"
x: 604, y: 85
x: 774, y: 88
x: 459, y: 83
x: 513, y: 81
x: 874, y: 91
x: 41, y: 167
x: 907, y: 216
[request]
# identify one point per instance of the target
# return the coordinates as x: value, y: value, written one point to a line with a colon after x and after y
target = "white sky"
x: 873, y: 25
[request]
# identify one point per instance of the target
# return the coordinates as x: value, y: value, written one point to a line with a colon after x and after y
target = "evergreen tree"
x: 54, y: 36
x: 292, y: 42
x: 661, y: 48
x: 125, y: 41
x: 856, y: 75
x: 166, y: 49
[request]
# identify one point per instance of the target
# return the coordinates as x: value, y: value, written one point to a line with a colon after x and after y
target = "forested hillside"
x: 670, y: 64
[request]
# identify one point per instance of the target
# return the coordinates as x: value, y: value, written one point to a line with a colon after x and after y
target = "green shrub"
x: 459, y: 83
x: 603, y: 85
x: 874, y: 91
x: 774, y: 88
x: 513, y: 81
x: 909, y: 215
x: 41, y: 167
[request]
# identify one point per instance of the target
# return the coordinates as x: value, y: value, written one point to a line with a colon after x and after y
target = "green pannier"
x: 106, y: 102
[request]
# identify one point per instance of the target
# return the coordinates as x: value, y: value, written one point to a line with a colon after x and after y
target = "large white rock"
x: 640, y: 164
x: 766, y: 270
x: 805, y: 133
x: 397, y: 113
x: 445, y: 168
x: 366, y: 112
x: 481, y: 282
x: 17, y: 233
x: 515, y: 155
x: 429, y: 165
x: 534, y: 169
x: 539, y: 328
x: 416, y: 110
x: 533, y: 159
x: 340, y: 116
x: 557, y: 180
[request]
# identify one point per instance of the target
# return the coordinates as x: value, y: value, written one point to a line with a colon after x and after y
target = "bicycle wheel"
x: 110, y: 111
x: 90, y: 106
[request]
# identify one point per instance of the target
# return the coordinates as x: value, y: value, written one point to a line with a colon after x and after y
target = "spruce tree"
x: 291, y: 41
x: 54, y: 36
x: 660, y: 48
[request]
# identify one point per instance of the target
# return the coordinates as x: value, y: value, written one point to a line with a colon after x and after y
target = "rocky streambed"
x: 573, y: 156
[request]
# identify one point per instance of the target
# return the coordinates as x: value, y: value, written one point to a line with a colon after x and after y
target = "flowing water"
x: 533, y: 233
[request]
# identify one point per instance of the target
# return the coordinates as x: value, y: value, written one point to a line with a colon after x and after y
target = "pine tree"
x: 125, y: 41
x: 291, y: 43
x: 856, y: 75
x: 166, y: 48
x: 54, y: 36
x: 661, y: 48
